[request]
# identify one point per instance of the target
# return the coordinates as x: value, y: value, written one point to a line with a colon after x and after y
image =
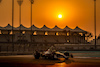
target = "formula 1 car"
x: 52, y: 55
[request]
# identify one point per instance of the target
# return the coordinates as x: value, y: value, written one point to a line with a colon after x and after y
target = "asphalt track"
x: 29, y: 61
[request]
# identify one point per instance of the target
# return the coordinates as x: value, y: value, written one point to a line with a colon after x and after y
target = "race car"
x: 52, y: 54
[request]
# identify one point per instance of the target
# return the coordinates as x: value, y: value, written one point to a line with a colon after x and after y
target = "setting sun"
x: 59, y: 16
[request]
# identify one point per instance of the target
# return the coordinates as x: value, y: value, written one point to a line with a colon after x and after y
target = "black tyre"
x: 37, y: 57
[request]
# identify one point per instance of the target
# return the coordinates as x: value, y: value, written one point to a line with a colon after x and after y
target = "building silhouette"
x: 42, y: 38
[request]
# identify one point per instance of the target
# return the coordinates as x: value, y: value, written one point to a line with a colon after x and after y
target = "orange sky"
x: 74, y: 13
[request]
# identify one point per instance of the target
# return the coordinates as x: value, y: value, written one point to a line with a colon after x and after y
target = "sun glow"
x: 59, y: 16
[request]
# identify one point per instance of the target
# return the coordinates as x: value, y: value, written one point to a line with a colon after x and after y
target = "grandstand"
x: 40, y: 37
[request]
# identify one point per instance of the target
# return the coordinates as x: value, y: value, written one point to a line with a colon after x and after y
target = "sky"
x: 45, y: 12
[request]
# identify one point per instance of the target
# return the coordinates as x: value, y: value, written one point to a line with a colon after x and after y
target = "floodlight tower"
x: 12, y: 23
x: 20, y: 3
x: 95, y: 21
x: 0, y: 46
x: 32, y: 1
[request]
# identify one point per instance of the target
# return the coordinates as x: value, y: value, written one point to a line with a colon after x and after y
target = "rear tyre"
x: 37, y: 57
